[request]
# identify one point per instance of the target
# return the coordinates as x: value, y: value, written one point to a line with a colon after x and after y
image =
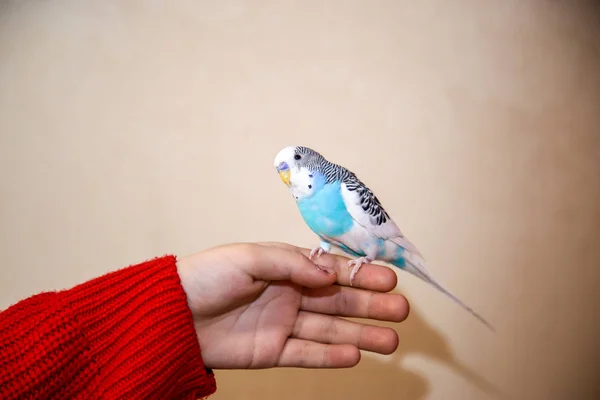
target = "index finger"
x: 271, y: 263
x: 371, y: 276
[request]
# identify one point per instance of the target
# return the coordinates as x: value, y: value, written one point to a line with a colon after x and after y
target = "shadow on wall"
x: 419, y: 338
x: 372, y: 378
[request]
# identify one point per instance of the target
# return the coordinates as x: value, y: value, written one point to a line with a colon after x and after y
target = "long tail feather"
x: 416, y: 266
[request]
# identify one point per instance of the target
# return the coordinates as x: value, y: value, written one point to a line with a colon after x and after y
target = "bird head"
x: 295, y: 166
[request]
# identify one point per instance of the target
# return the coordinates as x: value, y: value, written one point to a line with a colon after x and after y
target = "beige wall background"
x: 130, y: 129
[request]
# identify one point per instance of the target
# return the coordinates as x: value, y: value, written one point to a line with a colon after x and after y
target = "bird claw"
x: 316, y: 253
x: 357, y: 264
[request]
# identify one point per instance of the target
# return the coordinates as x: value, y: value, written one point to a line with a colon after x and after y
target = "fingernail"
x: 324, y: 269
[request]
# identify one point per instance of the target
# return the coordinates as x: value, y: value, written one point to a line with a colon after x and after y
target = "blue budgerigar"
x: 342, y: 211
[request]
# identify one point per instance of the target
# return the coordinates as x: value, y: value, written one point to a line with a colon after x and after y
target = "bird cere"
x: 343, y: 212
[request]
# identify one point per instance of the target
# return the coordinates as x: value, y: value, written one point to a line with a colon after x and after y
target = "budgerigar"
x: 342, y: 211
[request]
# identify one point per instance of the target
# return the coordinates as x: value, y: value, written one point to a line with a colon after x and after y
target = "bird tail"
x: 415, y: 264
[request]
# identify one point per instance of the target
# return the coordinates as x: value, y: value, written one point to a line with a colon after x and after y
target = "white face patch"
x: 301, y: 183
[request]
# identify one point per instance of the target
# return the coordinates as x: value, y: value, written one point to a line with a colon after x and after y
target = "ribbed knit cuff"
x: 141, y: 334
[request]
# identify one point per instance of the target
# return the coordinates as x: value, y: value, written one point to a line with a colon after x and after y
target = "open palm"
x: 266, y: 305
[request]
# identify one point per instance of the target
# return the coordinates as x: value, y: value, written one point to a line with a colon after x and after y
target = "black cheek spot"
x: 310, y: 186
x: 310, y: 176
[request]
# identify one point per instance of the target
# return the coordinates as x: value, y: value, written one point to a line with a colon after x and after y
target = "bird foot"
x: 357, y: 264
x: 316, y: 253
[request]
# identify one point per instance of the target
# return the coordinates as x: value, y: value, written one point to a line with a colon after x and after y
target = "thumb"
x: 274, y: 264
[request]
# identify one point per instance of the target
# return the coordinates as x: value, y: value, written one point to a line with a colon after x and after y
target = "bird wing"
x: 366, y: 209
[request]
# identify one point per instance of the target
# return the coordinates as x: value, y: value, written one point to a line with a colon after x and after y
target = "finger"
x: 307, y: 354
x: 357, y: 303
x: 371, y: 276
x: 332, y: 330
x: 273, y: 264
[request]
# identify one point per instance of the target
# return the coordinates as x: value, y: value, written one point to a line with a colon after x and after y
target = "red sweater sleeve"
x: 126, y: 335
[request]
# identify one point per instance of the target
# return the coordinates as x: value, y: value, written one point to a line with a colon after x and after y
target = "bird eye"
x: 297, y: 157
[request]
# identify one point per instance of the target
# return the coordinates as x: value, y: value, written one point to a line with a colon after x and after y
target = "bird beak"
x: 284, y: 173
x: 285, y: 176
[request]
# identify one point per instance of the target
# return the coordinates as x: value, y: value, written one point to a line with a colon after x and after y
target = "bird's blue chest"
x: 325, y: 212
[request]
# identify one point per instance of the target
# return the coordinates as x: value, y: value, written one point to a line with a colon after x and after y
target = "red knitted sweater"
x: 125, y: 335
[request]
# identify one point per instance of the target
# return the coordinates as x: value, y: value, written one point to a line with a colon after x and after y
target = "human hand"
x: 263, y: 305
